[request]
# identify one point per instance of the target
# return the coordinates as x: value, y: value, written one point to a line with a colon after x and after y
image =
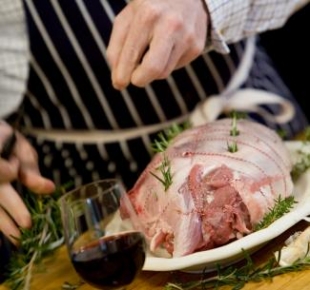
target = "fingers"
x: 13, y: 212
x: 29, y: 173
x: 151, y: 39
x: 127, y: 46
x: 163, y: 58
x: 118, y: 36
x: 158, y: 62
x: 8, y: 227
x: 8, y: 169
x: 22, y: 164
x: 32, y: 179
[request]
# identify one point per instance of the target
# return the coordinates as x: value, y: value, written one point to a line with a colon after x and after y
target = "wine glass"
x: 103, y: 234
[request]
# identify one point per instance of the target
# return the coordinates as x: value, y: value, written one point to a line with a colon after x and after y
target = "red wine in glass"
x: 111, y: 262
x: 103, y: 234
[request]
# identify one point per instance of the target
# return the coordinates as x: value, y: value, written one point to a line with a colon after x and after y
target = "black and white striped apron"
x: 70, y: 88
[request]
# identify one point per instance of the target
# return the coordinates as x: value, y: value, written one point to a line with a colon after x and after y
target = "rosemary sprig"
x: 165, y: 170
x: 237, y: 277
x: 163, y: 138
x: 233, y: 147
x: 281, y: 207
x: 303, y: 164
x: 234, y: 132
x: 41, y: 239
x: 160, y: 145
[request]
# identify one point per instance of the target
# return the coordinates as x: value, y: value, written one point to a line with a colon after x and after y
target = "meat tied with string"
x: 215, y: 195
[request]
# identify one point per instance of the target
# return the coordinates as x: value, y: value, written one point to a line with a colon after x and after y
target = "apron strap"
x: 248, y: 100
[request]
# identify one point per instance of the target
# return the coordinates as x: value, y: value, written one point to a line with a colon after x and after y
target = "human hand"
x: 151, y: 38
x: 22, y: 165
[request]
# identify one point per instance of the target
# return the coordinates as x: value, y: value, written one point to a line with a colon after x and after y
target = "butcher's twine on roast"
x: 215, y: 196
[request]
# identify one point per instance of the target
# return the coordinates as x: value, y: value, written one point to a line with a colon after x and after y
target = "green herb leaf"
x: 40, y: 240
x: 234, y: 132
x: 281, y: 207
x: 233, y: 147
x: 237, y: 277
x: 303, y: 162
x: 165, y: 170
x: 164, y: 138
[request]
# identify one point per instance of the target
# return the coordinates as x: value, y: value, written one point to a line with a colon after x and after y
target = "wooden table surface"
x: 59, y: 270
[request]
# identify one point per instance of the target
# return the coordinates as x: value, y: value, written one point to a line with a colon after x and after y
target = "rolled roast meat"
x: 198, y: 195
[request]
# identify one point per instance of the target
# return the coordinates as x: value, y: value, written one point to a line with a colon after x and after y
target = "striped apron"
x: 84, y: 129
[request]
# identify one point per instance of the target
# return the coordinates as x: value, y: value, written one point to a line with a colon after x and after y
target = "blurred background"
x: 289, y: 47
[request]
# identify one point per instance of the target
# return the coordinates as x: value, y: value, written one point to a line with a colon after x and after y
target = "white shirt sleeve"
x: 233, y: 20
x: 14, y: 53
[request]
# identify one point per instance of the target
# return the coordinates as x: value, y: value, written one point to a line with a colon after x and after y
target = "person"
x: 97, y: 80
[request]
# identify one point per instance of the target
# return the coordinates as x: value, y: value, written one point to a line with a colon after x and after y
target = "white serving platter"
x: 234, y: 251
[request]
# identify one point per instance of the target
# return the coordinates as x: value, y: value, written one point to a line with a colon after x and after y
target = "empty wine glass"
x: 103, y: 234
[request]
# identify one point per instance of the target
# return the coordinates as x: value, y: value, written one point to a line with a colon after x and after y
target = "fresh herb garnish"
x: 41, y: 239
x: 234, y: 132
x: 303, y: 164
x: 300, y: 167
x: 164, y: 138
x: 281, y: 207
x: 237, y: 277
x: 233, y: 147
x: 165, y: 171
x: 160, y: 145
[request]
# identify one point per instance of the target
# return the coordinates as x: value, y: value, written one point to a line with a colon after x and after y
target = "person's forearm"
x: 14, y: 54
x: 234, y: 20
